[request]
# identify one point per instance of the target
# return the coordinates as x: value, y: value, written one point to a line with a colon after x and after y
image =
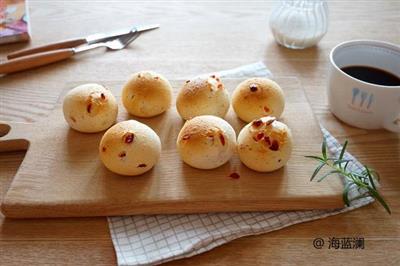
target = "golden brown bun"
x: 258, y: 97
x: 265, y: 144
x: 90, y: 108
x: 202, y: 96
x: 147, y: 94
x: 206, y: 142
x: 130, y: 148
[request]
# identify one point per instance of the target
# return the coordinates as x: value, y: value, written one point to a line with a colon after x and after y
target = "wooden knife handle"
x: 48, y: 47
x: 35, y: 60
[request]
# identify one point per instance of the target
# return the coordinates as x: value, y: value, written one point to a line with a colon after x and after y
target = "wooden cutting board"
x: 62, y: 175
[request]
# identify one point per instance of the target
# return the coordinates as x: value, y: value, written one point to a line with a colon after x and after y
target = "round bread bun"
x: 90, y: 108
x: 202, y: 96
x: 265, y: 144
x: 206, y: 142
x: 258, y: 97
x: 130, y: 148
x: 147, y: 94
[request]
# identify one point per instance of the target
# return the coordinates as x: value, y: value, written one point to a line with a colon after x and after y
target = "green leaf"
x: 345, y: 166
x: 346, y: 194
x: 343, y: 150
x: 374, y: 174
x: 328, y: 174
x: 331, y: 159
x: 315, y: 158
x: 341, y: 161
x: 319, y: 167
x: 359, y: 178
x: 324, y: 155
x: 374, y: 193
x: 371, y: 180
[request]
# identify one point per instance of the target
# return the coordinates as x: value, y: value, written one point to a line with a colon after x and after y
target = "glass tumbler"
x: 299, y: 24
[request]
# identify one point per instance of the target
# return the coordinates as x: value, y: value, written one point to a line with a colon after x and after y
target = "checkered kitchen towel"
x: 154, y: 239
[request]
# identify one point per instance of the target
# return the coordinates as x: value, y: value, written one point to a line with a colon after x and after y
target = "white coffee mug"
x: 360, y: 103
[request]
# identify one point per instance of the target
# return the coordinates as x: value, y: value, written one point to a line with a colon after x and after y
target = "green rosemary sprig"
x: 364, y: 180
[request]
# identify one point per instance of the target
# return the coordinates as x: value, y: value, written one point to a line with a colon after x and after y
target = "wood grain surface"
x: 201, y: 37
x: 76, y: 184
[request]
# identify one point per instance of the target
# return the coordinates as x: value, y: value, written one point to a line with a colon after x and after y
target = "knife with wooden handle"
x: 91, y: 39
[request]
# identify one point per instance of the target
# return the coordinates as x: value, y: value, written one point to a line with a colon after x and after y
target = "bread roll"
x: 206, y: 142
x: 258, y: 97
x: 203, y: 96
x: 147, y: 94
x: 265, y: 144
x: 90, y: 108
x: 130, y: 148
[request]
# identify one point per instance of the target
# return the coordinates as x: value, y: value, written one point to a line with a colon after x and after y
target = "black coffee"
x: 372, y: 75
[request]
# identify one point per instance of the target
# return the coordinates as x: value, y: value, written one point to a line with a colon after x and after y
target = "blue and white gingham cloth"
x: 154, y: 239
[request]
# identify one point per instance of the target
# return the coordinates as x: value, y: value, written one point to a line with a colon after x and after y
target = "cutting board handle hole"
x: 4, y: 129
x: 13, y: 136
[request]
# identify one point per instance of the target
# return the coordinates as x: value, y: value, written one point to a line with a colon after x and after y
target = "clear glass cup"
x: 299, y: 24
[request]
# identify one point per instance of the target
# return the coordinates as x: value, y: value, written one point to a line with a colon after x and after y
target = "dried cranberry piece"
x: 259, y: 136
x: 253, y: 87
x: 234, y: 175
x: 89, y: 108
x: 222, y: 139
x: 274, y: 146
x: 257, y: 123
x: 129, y: 137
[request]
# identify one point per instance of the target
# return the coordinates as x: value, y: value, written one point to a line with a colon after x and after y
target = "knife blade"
x: 104, y: 37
